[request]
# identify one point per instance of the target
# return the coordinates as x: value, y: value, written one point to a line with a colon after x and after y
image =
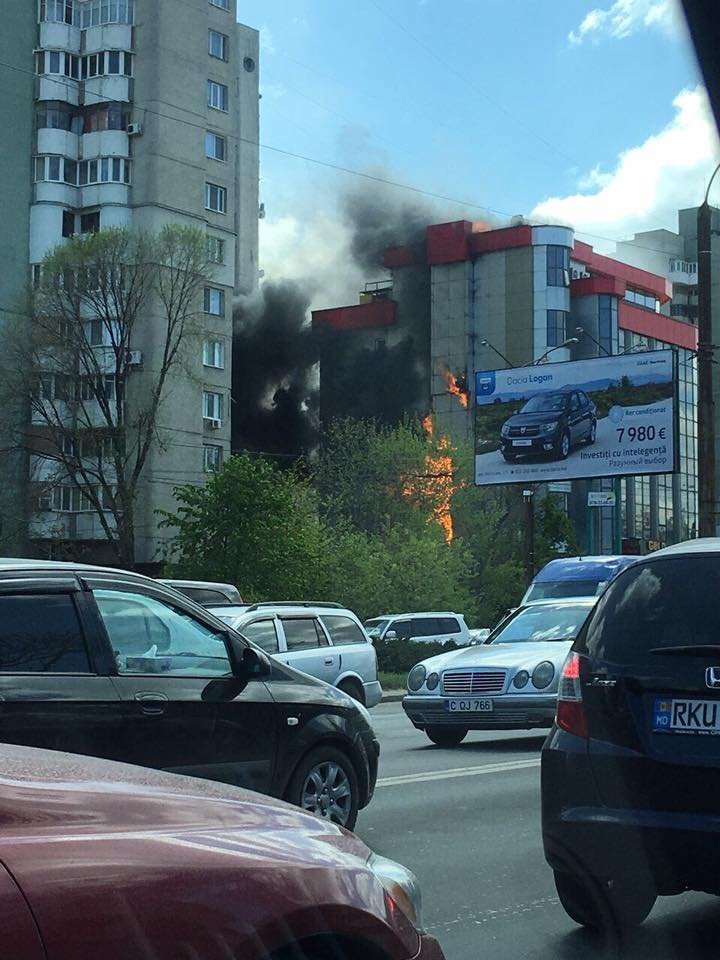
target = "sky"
x: 586, y: 112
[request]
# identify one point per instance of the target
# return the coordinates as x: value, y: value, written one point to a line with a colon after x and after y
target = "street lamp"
x: 706, y: 404
x: 565, y: 343
x: 486, y: 343
x: 582, y: 332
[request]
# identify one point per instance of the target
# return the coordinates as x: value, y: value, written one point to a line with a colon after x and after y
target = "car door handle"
x: 328, y: 660
x: 152, y: 704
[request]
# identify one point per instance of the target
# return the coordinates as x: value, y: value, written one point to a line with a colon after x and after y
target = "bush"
x: 401, y: 655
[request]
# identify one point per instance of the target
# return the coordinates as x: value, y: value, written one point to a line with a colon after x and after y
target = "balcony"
x: 57, y: 88
x: 113, y: 89
x: 103, y: 143
x: 683, y: 271
x: 59, y: 525
x: 99, y: 194
x: 60, y: 142
x: 59, y: 36
x: 60, y: 193
x: 111, y: 36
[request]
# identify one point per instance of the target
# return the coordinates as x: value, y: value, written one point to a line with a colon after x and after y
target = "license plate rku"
x: 674, y: 715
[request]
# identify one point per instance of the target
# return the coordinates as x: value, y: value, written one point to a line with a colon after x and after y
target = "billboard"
x: 604, y: 417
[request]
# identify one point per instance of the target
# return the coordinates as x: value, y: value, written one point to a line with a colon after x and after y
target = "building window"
x: 217, y: 45
x: 90, y: 222
x: 217, y: 96
x: 109, y: 116
x: 212, y: 457
x: 215, y: 198
x: 642, y: 299
x: 215, y: 250
x: 54, y: 115
x: 54, y: 168
x: 556, y: 327
x: 68, y: 223
x: 223, y: 4
x: 558, y: 266
x: 56, y: 11
x: 215, y: 146
x: 94, y: 13
x: 213, y: 405
x: 70, y: 172
x: 110, y: 62
x: 214, y: 354
x: 215, y: 301
x: 104, y: 170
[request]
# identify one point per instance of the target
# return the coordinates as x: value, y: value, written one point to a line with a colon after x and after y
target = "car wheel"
x: 591, y: 903
x: 353, y: 689
x: 446, y: 736
x: 325, y: 783
x: 592, y: 436
x: 563, y: 447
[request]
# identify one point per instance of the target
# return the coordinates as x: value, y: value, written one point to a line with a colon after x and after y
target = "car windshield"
x: 544, y: 403
x: 560, y: 589
x: 375, y: 626
x: 544, y: 622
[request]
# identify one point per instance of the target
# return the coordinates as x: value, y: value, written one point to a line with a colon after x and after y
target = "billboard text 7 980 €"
x: 605, y: 417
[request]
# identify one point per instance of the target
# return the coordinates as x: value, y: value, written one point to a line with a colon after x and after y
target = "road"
x: 467, y: 821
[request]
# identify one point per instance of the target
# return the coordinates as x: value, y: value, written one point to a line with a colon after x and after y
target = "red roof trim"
x: 504, y: 239
x: 633, y: 276
x: 650, y: 324
x: 595, y: 285
x: 360, y: 316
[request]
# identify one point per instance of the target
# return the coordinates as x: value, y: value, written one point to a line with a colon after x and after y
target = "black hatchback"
x: 631, y: 769
x: 550, y: 424
x: 111, y: 664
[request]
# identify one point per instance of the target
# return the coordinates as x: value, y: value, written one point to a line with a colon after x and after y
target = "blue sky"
x: 525, y: 106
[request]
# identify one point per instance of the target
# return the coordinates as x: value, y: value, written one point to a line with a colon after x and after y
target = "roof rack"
x: 294, y: 603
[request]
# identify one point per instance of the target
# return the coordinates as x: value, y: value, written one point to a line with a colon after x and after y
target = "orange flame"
x: 458, y: 388
x: 436, y: 484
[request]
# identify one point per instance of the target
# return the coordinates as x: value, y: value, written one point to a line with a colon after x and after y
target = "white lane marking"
x: 454, y: 772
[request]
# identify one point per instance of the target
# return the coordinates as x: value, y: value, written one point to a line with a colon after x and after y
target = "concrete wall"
x: 18, y: 39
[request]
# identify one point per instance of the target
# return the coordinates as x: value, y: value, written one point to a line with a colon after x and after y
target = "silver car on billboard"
x: 510, y: 682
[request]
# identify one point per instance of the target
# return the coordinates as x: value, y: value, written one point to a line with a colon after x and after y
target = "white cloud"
x: 625, y: 17
x: 650, y: 182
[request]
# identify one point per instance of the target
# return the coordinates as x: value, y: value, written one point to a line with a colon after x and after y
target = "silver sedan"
x: 508, y: 683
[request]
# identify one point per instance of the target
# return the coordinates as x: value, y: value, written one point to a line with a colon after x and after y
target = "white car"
x: 324, y: 640
x: 508, y: 683
x: 433, y: 627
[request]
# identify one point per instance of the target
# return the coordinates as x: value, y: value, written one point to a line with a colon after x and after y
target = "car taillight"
x: 570, y: 709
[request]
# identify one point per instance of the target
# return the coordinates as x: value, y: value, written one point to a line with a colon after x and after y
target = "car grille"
x: 473, y: 682
x: 524, y: 431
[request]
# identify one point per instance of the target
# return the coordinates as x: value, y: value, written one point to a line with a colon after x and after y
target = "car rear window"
x: 41, y: 635
x: 448, y: 625
x: 263, y: 634
x: 203, y: 595
x: 303, y: 633
x: 560, y: 589
x: 425, y: 627
x: 343, y: 630
x: 666, y: 602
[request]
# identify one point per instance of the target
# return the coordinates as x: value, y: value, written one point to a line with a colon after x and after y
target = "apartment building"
x: 475, y: 299
x: 137, y: 113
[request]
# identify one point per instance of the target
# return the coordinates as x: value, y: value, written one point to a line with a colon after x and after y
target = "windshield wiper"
x: 689, y: 650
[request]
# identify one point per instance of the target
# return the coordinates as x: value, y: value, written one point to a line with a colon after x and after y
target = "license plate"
x: 469, y: 705
x: 522, y: 443
x: 686, y: 716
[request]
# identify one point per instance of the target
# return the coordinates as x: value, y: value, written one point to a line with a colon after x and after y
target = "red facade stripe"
x: 649, y: 324
x: 361, y: 316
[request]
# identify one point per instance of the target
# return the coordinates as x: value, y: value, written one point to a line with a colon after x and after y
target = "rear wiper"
x: 689, y: 650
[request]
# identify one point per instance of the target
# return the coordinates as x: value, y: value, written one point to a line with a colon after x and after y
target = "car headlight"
x: 542, y: 675
x: 432, y: 681
x: 401, y: 886
x: 521, y: 679
x: 505, y: 430
x: 549, y: 427
x: 416, y: 677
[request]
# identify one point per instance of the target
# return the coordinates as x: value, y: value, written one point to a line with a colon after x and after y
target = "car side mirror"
x: 253, y: 664
x: 390, y: 635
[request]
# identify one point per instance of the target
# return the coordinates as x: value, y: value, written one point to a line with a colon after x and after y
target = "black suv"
x: 631, y: 769
x: 549, y: 424
x: 111, y: 664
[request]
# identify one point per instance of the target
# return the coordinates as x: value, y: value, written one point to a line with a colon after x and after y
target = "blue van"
x: 575, y: 577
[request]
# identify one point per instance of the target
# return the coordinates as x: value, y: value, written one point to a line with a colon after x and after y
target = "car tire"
x: 354, y: 689
x: 446, y: 736
x: 602, y: 906
x: 592, y: 436
x: 316, y: 772
x: 563, y: 447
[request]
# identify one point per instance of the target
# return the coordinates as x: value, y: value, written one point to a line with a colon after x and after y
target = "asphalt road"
x: 467, y: 821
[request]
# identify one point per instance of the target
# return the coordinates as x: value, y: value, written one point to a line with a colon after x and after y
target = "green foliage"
x: 251, y: 525
x: 554, y: 533
x: 400, y: 656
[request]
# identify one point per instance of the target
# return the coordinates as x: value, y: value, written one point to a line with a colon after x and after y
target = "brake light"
x: 570, y: 708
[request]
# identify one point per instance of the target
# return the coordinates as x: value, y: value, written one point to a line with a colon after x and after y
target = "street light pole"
x: 486, y: 343
x: 706, y: 404
x: 565, y: 343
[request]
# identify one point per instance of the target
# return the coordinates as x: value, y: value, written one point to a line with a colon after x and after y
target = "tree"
x: 93, y: 410
x: 252, y: 525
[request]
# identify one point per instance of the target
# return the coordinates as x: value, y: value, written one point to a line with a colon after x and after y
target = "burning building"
x: 472, y: 298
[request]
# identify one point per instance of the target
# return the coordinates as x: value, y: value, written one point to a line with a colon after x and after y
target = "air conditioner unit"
x: 134, y: 129
x: 215, y: 424
x: 134, y: 358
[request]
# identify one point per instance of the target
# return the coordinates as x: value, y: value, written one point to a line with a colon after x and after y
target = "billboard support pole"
x: 617, y: 517
x: 706, y: 405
